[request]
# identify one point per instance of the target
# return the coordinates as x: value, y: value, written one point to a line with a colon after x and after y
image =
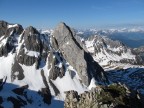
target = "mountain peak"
x: 74, y: 53
x: 31, y: 30
x: 2, y: 22
x: 62, y: 24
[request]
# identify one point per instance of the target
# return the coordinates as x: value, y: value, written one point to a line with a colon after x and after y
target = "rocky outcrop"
x: 56, y: 90
x: 45, y: 93
x: 76, y: 55
x: 8, y: 37
x: 32, y: 39
x: 20, y: 90
x: 113, y: 96
x: 17, y: 102
x: 3, y: 28
x: 6, y: 29
x: 34, y: 48
x: 17, y: 71
x: 57, y: 66
x: 31, y: 42
x: 2, y: 82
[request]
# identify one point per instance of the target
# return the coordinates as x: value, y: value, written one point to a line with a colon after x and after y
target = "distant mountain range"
x: 133, y: 37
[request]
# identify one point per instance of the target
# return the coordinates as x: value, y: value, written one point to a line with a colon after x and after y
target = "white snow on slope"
x: 69, y: 82
x: 3, y: 42
x: 12, y: 25
x: 5, y: 66
x: 108, y: 54
x: 33, y: 54
x: 92, y: 84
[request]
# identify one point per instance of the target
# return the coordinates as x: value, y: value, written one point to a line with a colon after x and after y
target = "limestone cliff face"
x: 73, y: 52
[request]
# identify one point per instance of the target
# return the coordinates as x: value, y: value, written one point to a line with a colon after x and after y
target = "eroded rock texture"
x: 113, y: 96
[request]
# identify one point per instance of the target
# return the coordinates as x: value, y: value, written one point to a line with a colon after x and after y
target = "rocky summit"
x: 77, y: 57
x: 54, y: 70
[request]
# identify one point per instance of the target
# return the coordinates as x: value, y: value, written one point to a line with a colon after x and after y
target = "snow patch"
x: 67, y: 83
x: 33, y: 54
x: 92, y: 84
x: 12, y: 25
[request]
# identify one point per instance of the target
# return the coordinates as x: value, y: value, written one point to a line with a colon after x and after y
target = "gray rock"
x: 11, y: 34
x: 17, y: 71
x: 44, y: 78
x: 56, y: 71
x: 45, y: 92
x: 3, y: 28
x: 113, y: 96
x: 25, y: 59
x: 4, y: 50
x: 54, y: 88
x: 33, y: 41
x: 76, y: 55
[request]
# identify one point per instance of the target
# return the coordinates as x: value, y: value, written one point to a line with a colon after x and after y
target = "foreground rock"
x: 113, y: 96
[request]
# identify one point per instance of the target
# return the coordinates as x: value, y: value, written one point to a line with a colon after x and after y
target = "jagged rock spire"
x: 72, y: 51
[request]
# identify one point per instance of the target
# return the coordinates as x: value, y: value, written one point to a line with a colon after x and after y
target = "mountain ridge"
x: 38, y: 62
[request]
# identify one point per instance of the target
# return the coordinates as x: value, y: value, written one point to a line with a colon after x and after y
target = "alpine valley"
x: 68, y: 68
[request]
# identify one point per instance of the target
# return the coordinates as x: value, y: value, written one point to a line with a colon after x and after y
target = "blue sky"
x: 76, y: 13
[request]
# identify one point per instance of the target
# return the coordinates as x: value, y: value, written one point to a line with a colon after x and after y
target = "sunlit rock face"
x: 73, y: 52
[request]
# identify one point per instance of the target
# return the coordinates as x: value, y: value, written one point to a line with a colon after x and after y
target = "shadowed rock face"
x: 20, y: 90
x: 76, y: 55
